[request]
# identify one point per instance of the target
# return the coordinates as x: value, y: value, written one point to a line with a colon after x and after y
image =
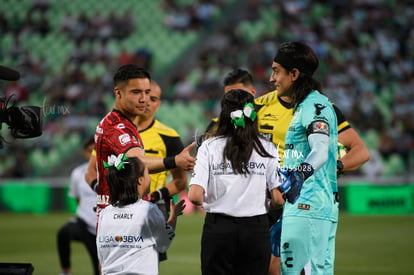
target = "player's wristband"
x: 94, y: 185
x: 339, y: 165
x: 169, y: 163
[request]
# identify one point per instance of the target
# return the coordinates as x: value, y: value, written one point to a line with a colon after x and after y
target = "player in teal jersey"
x: 311, y: 213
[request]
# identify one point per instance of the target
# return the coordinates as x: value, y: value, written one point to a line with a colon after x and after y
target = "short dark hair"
x: 238, y: 76
x: 130, y: 71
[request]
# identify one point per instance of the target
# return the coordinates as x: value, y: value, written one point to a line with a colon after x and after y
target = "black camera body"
x: 23, y: 122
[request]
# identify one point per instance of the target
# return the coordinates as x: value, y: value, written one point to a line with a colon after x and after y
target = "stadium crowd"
x: 364, y: 47
x: 366, y: 54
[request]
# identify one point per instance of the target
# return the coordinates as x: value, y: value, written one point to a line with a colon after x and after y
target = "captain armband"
x: 318, y: 127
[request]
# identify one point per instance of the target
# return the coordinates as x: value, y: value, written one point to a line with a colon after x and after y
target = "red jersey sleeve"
x: 114, y: 135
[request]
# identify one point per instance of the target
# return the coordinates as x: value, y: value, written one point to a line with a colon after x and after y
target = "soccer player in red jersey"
x: 117, y: 132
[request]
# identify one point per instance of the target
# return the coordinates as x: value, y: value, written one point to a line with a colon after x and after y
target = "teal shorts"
x: 306, y: 240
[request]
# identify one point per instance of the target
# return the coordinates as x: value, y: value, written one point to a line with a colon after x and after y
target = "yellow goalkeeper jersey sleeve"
x: 160, y: 141
x: 274, y: 117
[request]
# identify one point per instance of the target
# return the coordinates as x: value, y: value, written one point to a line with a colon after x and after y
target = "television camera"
x: 23, y: 122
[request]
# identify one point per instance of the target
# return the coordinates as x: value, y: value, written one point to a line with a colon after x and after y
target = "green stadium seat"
x: 53, y: 157
x: 38, y: 160
x: 394, y: 166
x: 55, y: 47
x: 371, y: 139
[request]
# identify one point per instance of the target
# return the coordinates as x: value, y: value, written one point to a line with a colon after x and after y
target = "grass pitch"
x: 365, y: 244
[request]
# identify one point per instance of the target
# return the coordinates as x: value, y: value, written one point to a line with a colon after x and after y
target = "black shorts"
x: 232, y: 245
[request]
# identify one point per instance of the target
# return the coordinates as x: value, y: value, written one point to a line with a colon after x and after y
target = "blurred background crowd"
x: 67, y: 51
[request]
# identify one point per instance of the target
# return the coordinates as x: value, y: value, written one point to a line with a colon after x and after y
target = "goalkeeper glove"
x: 275, y: 235
x: 294, y: 178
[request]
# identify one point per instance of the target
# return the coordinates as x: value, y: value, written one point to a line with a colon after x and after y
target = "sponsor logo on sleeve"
x: 124, y: 139
x: 99, y: 130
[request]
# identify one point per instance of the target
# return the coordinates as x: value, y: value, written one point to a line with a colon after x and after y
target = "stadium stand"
x: 366, y: 62
x: 74, y: 59
x: 67, y: 50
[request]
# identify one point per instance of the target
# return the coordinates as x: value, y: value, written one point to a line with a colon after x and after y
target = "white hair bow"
x: 237, y: 116
x: 116, y: 161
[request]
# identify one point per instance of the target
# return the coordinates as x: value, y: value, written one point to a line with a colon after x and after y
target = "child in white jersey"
x: 131, y: 231
x: 234, y: 170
